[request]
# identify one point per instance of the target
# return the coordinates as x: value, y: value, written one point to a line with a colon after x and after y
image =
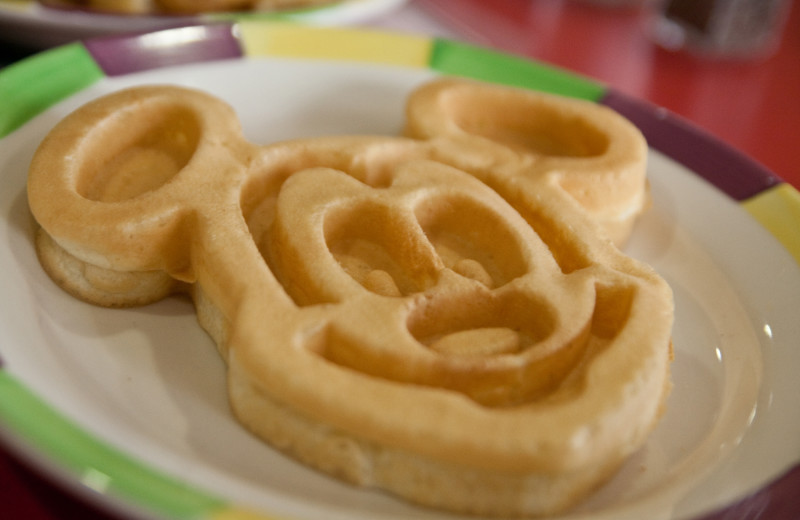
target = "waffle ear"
x: 590, y: 151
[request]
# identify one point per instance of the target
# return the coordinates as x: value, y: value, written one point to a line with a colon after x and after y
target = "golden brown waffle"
x: 443, y: 316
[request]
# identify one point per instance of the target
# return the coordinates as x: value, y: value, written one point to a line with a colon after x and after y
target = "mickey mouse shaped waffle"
x: 443, y: 315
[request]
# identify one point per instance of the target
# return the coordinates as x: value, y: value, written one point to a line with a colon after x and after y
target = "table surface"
x: 752, y: 105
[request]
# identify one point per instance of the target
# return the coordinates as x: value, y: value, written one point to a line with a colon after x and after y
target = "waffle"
x: 442, y: 315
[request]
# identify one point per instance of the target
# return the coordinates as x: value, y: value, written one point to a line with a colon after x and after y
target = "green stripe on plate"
x: 96, y: 464
x: 30, y: 86
x: 461, y: 59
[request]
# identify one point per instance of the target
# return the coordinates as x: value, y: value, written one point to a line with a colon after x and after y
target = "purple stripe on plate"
x: 730, y: 170
x: 118, y: 55
x: 777, y: 501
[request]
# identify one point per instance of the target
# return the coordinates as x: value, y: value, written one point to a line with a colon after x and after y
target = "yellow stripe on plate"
x: 16, y: 5
x: 241, y: 514
x: 778, y: 210
x: 295, y: 41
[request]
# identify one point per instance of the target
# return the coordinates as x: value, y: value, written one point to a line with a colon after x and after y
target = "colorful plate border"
x: 33, y: 85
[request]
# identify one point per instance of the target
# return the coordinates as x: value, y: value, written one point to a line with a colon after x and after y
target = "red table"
x: 752, y: 105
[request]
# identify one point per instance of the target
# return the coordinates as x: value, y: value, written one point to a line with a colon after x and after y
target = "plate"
x: 25, y: 22
x: 129, y: 407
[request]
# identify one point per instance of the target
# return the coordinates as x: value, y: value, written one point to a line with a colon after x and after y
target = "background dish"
x: 25, y: 22
x: 128, y: 406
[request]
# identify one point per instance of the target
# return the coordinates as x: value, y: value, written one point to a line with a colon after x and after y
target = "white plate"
x: 27, y: 23
x: 149, y: 383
